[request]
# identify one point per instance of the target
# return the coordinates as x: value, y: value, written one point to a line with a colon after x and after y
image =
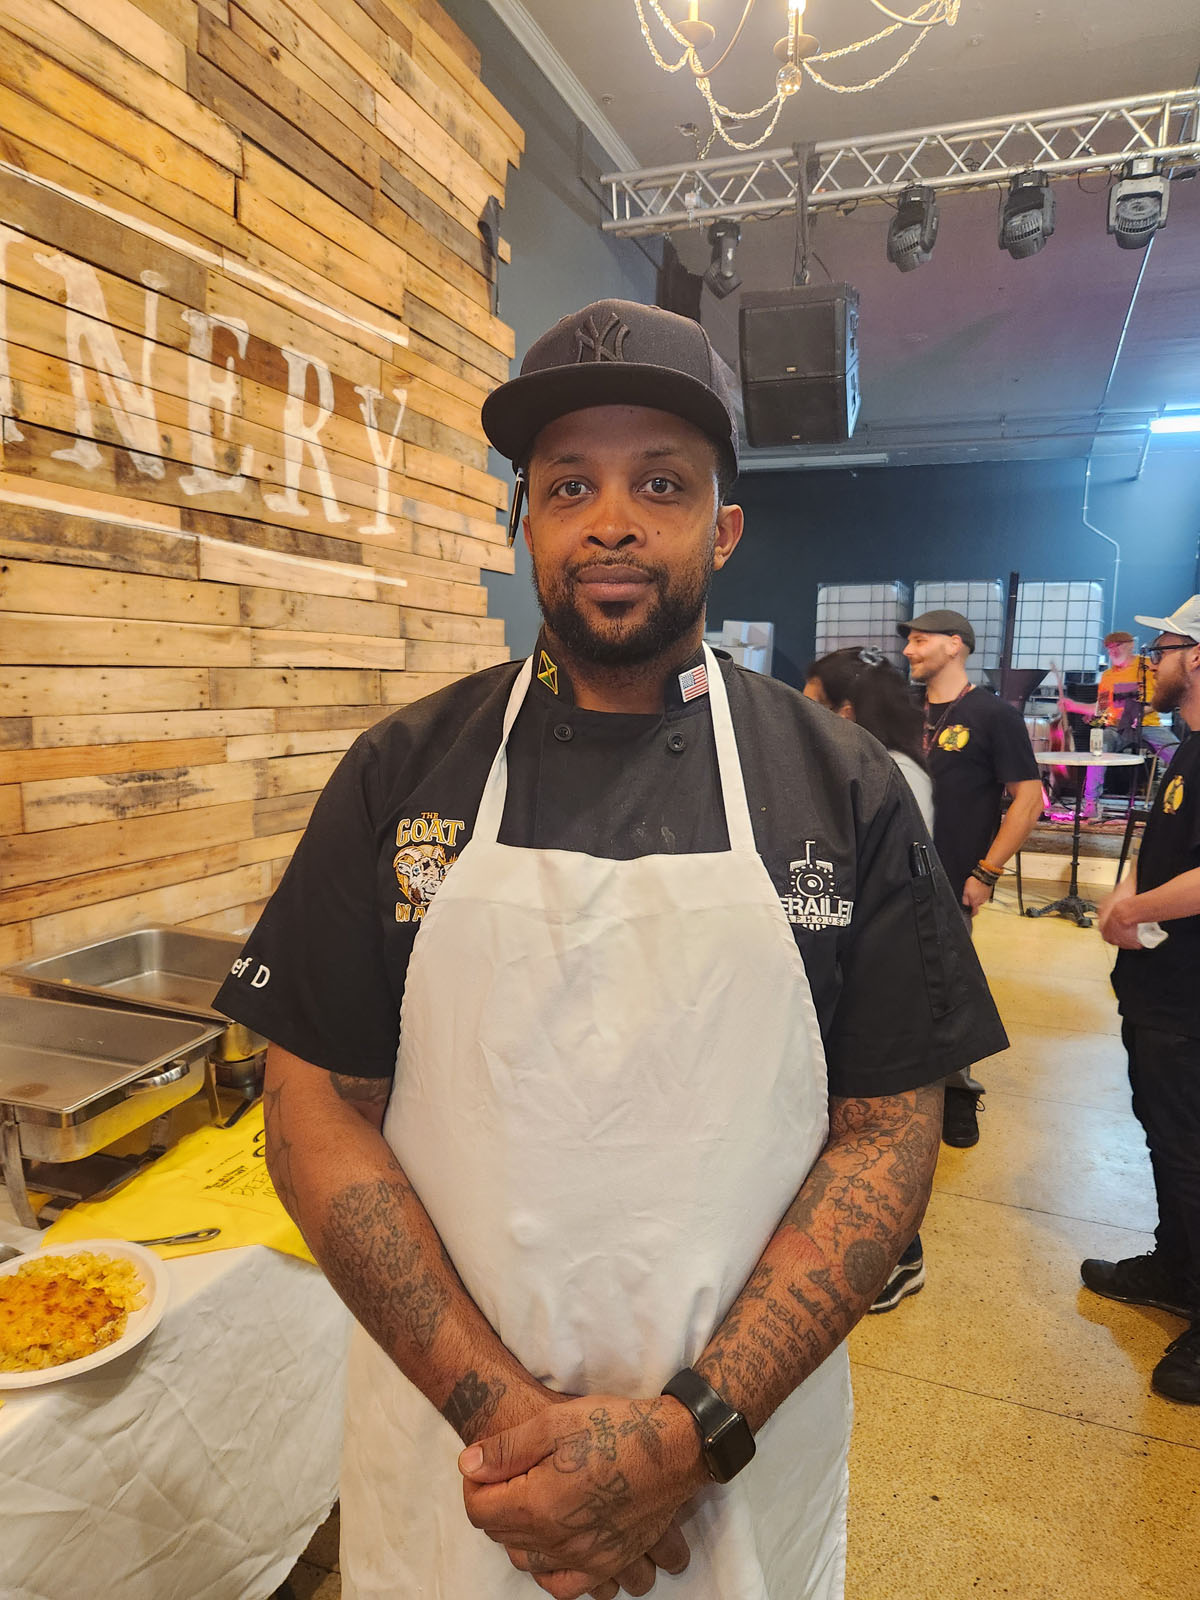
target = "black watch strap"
x: 725, y: 1438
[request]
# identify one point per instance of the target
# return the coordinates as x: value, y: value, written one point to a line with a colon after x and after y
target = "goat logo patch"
x: 421, y: 862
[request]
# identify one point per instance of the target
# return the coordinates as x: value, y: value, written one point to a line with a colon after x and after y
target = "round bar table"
x: 1071, y: 905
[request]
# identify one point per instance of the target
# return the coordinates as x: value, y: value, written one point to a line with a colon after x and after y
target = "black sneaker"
x: 1137, y: 1281
x: 960, y: 1117
x: 908, y: 1275
x: 1177, y: 1375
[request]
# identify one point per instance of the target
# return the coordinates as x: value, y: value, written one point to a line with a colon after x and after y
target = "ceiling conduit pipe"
x: 1087, y: 472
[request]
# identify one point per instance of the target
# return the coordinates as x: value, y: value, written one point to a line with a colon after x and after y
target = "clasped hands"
x: 584, y: 1495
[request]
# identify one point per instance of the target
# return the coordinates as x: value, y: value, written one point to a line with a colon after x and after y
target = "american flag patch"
x: 694, y: 682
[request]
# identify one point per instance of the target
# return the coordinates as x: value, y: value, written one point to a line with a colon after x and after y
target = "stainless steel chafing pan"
x: 175, y: 971
x: 73, y: 1078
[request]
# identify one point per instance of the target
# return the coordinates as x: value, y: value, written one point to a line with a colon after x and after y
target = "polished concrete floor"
x: 1006, y: 1441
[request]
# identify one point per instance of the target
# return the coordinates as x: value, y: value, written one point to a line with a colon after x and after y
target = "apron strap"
x: 733, y: 791
x: 491, y: 807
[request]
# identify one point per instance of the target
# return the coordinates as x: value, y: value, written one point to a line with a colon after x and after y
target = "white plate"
x: 153, y: 1274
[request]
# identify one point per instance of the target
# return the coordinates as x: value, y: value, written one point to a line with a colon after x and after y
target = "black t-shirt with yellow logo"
x: 1157, y: 988
x: 899, y: 995
x: 980, y: 745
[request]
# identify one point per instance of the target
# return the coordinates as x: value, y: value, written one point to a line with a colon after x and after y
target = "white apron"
x: 609, y: 1087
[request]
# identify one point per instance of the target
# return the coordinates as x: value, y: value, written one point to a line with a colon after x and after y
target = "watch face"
x: 729, y: 1447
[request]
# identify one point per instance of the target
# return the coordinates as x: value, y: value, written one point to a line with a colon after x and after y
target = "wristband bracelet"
x: 982, y: 875
x: 988, y: 867
x: 726, y: 1442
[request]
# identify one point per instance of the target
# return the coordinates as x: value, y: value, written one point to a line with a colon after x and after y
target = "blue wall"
x: 981, y: 520
x: 560, y: 258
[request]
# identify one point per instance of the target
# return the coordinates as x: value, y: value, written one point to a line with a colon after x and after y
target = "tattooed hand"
x: 584, y: 1496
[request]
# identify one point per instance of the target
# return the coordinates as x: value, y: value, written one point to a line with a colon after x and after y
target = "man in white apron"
x: 677, y: 978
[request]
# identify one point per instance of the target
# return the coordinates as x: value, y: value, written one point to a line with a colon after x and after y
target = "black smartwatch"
x: 725, y: 1438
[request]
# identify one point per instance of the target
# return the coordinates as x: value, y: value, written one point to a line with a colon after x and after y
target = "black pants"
x: 1164, y: 1073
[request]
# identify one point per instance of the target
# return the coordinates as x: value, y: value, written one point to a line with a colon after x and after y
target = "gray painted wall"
x: 560, y: 259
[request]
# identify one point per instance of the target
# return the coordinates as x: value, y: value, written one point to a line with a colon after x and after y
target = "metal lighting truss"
x: 962, y: 155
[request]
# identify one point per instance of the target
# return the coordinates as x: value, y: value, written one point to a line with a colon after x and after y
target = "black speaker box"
x: 799, y: 358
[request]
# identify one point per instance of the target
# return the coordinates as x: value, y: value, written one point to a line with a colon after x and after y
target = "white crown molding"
x: 538, y: 47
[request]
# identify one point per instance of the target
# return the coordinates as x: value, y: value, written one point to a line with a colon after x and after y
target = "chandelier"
x: 798, y: 54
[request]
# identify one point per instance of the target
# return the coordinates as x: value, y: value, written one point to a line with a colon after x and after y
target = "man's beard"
x: 1167, y: 696
x: 676, y: 610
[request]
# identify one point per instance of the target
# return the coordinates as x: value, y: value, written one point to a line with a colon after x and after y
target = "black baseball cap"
x: 613, y: 353
x: 940, y: 622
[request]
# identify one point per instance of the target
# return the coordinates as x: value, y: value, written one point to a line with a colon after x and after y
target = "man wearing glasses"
x: 1153, y: 917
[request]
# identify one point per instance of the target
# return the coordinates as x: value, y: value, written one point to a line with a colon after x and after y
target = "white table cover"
x: 195, y: 1467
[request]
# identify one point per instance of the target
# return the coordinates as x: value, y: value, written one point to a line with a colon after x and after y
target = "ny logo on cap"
x: 606, y: 345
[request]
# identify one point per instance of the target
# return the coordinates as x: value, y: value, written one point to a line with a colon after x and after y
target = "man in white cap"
x: 611, y: 994
x: 1153, y: 917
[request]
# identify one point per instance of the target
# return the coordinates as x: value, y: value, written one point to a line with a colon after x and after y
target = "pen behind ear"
x: 514, y: 511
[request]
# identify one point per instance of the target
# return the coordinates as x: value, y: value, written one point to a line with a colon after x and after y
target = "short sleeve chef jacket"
x: 900, y: 998
x: 980, y: 746
x: 1157, y: 988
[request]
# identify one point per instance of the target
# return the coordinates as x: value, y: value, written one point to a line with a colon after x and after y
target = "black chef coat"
x: 1158, y: 988
x: 900, y: 998
x: 980, y: 745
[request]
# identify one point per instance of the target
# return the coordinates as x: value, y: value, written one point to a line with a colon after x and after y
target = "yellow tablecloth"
x: 213, y: 1178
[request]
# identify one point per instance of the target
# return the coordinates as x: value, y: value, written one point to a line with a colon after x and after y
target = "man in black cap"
x: 977, y: 749
x: 606, y: 1070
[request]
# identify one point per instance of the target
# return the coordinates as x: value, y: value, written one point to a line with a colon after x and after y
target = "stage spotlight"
x: 1137, y: 204
x: 1027, y: 218
x: 913, y: 231
x: 721, y: 276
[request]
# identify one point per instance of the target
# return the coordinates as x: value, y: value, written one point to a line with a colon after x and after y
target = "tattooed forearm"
x: 376, y: 1266
x: 368, y: 1096
x: 471, y: 1405
x: 380, y: 1249
x: 860, y: 1205
x: 279, y: 1149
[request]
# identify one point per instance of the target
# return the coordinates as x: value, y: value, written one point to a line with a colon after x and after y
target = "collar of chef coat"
x: 552, y: 683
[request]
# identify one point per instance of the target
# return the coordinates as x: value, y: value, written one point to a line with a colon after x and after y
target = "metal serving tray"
x: 176, y: 971
x: 74, y: 1077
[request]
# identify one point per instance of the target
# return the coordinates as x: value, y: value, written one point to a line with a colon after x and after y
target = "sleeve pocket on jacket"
x: 943, y: 977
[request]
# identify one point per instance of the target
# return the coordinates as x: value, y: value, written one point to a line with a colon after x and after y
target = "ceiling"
x: 973, y: 356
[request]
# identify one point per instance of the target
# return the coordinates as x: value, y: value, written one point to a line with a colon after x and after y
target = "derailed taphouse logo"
x: 814, y: 902
x: 421, y: 862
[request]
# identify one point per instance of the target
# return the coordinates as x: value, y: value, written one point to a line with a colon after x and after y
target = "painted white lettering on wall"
x: 210, y: 392
x: 113, y: 369
x: 383, y: 457
x: 299, y: 433
x: 89, y: 331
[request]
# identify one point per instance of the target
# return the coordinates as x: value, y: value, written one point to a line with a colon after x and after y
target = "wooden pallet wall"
x: 245, y: 331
